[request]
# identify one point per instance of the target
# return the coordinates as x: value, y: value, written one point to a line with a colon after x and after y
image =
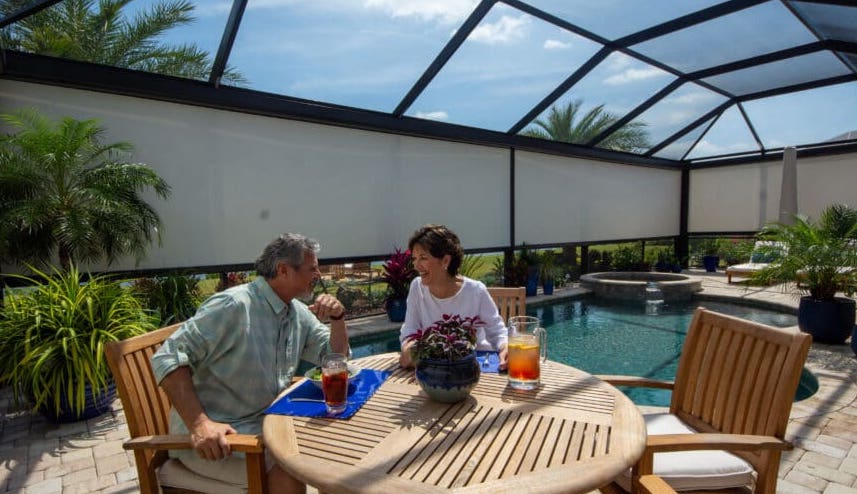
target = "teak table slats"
x: 573, y: 425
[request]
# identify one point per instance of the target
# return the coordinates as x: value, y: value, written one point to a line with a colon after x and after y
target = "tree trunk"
x: 65, y: 256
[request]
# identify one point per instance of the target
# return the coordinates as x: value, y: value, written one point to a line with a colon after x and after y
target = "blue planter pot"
x: 448, y: 382
x: 828, y: 321
x: 547, y: 287
x: 95, y: 405
x: 396, y: 308
x: 710, y: 263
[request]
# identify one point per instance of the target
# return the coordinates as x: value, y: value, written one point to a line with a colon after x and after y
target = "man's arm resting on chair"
x: 207, y: 436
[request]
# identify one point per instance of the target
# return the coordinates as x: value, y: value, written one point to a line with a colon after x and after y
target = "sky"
x: 368, y: 53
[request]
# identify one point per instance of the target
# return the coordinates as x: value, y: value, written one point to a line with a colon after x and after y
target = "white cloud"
x: 691, y: 98
x: 618, y: 61
x: 444, y: 11
x: 432, y: 115
x: 505, y: 30
x: 633, y: 75
x: 706, y: 148
x: 553, y: 44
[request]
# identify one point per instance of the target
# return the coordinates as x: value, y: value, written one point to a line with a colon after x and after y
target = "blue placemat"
x: 361, y: 388
x: 488, y: 361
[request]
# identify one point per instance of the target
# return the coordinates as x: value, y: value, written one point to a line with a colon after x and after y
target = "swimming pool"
x: 617, y: 338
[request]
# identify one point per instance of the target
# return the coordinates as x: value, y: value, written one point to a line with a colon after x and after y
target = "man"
x: 227, y: 363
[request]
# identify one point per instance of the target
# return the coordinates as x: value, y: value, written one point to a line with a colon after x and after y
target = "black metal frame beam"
x: 618, y: 124
x: 774, y: 154
x: 230, y: 31
x: 719, y: 109
x: 451, y: 47
x: 699, y: 138
x: 573, y: 79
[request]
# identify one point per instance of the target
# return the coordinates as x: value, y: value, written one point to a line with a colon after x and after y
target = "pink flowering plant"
x: 452, y: 338
x: 398, y: 273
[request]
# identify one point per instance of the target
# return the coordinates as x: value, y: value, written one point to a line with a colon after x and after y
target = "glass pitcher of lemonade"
x: 527, y: 351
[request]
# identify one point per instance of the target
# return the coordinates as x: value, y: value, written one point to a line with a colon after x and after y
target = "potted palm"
x: 821, y: 257
x: 52, y: 339
x: 445, y: 356
x: 398, y: 273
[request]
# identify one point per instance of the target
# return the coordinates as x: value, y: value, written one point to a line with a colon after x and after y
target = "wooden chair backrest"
x: 510, y: 302
x: 739, y: 376
x: 147, y: 409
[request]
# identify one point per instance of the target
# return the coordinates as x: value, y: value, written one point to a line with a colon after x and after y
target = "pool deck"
x: 39, y: 457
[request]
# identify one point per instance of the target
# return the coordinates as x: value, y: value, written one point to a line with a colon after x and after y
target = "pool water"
x: 618, y: 338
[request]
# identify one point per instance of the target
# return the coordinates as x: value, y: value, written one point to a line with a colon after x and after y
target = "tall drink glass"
x: 527, y: 351
x: 334, y: 382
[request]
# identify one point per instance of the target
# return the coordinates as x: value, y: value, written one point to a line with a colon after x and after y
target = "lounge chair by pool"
x: 764, y: 253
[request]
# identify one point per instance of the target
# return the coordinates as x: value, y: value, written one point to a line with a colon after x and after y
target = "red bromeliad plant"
x: 452, y: 338
x: 398, y: 273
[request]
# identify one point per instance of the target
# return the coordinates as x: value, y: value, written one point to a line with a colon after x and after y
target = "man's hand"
x: 209, y: 439
x: 327, y: 306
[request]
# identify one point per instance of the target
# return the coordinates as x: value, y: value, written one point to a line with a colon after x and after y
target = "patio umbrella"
x: 788, y: 190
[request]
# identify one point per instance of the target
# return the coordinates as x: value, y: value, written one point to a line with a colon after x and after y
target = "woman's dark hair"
x: 439, y: 241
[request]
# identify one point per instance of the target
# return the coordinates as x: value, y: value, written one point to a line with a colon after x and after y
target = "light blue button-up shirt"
x: 243, y: 346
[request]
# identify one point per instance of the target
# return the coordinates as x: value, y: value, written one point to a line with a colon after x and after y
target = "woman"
x: 439, y: 290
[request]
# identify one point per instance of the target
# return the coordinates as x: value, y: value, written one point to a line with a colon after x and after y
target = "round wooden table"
x: 573, y: 434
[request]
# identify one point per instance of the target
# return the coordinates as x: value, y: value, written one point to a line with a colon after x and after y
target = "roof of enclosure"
x: 682, y: 82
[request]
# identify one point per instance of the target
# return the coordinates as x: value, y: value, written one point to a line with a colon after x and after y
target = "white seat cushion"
x: 174, y: 474
x: 692, y: 470
x: 747, y: 267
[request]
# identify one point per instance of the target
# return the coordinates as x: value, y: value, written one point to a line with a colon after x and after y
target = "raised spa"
x: 621, y: 285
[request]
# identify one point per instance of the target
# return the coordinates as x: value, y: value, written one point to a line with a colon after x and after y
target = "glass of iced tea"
x: 527, y: 351
x: 334, y: 382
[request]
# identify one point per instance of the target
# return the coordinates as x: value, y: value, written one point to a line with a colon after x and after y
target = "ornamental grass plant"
x: 52, y: 336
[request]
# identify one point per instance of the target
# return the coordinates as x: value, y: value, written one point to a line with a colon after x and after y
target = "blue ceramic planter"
x: 448, y: 382
x: 396, y: 308
x: 95, y: 405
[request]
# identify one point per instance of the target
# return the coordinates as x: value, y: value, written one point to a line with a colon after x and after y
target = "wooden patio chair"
x: 147, y: 412
x: 652, y: 484
x: 510, y: 302
x: 733, y: 391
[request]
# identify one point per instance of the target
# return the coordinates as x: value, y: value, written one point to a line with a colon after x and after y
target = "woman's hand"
x: 405, y: 359
x: 503, y: 354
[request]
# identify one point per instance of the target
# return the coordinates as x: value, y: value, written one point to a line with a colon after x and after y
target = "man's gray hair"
x: 289, y: 248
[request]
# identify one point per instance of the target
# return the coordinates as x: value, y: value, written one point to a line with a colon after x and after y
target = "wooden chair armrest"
x: 244, y: 443
x: 731, y: 442
x: 643, y: 382
x: 652, y: 484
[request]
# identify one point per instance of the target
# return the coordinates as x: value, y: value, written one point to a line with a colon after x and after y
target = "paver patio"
x: 38, y: 457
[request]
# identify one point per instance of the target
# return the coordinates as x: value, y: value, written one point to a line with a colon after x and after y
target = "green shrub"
x: 52, y: 337
x: 173, y: 298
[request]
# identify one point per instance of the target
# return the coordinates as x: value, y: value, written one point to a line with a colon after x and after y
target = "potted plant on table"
x: 821, y: 257
x: 398, y: 273
x: 445, y: 356
x: 52, y: 340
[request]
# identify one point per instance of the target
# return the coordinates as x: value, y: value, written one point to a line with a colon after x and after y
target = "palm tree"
x: 564, y: 124
x: 99, y: 32
x: 63, y: 192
